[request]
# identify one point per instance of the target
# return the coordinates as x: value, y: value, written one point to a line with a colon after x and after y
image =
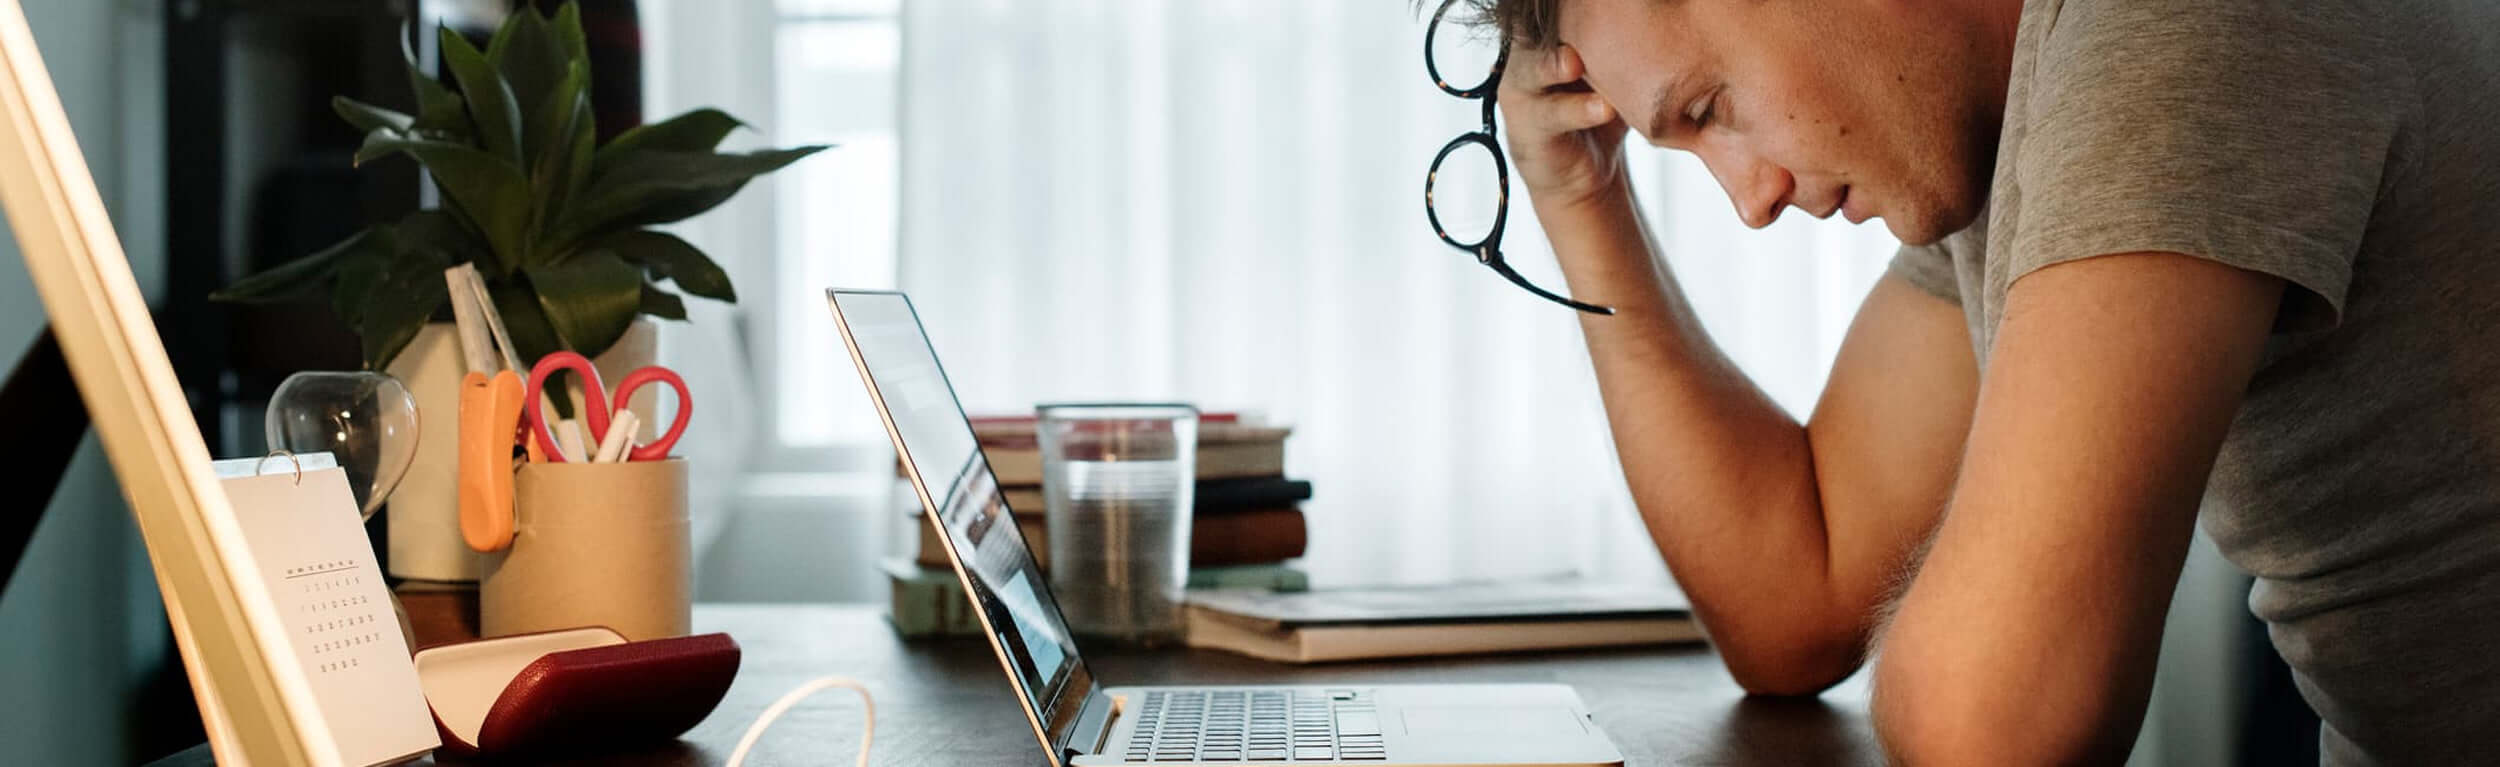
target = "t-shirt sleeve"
x: 2250, y: 132
x: 1928, y: 268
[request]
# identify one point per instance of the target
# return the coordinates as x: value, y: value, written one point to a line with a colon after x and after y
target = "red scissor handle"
x: 658, y: 448
x: 594, y: 400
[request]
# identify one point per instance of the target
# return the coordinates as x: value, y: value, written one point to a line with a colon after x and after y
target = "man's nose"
x: 1757, y: 188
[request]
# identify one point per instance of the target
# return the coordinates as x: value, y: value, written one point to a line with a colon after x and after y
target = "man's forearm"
x: 2031, y: 633
x: 1725, y: 480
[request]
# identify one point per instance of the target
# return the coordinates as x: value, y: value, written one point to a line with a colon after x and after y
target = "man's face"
x: 1869, y: 108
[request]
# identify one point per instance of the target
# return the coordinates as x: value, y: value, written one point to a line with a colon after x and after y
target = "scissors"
x: 597, y: 400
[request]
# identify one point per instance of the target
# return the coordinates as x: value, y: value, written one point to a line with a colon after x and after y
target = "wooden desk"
x: 947, y: 704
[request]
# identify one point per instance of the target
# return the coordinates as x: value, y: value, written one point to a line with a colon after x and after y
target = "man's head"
x: 1889, y: 106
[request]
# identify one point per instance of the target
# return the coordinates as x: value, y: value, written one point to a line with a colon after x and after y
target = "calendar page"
x: 309, y: 546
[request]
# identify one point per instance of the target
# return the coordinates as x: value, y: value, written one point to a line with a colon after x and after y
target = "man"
x: 2244, y: 252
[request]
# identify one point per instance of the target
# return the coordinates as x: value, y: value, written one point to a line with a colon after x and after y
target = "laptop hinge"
x: 1093, y: 725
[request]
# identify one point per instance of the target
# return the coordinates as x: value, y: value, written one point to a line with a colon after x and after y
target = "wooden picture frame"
x: 248, y: 694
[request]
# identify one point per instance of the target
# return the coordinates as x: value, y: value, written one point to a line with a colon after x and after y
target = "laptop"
x: 1083, y: 720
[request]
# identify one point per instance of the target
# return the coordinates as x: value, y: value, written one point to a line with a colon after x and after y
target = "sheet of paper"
x: 309, y: 545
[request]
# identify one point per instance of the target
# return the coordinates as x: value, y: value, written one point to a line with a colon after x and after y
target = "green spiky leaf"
x: 649, y: 187
x: 661, y: 303
x: 589, y: 298
x: 565, y: 30
x: 531, y: 333
x: 535, y: 68
x: 440, y: 232
x: 302, y: 277
x: 562, y: 167
x: 490, y: 192
x: 388, y: 292
x: 698, y: 131
x: 439, y: 112
x: 513, y: 23
x: 404, y: 295
x: 492, y: 109
x: 667, y: 256
x: 369, y: 118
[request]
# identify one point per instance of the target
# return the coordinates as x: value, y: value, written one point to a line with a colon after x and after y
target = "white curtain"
x: 1221, y: 201
x: 702, y: 54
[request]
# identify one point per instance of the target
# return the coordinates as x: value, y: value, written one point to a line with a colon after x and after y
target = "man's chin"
x: 1909, y: 233
x: 1928, y: 228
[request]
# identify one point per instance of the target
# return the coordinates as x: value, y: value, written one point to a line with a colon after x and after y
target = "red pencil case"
x: 572, y: 691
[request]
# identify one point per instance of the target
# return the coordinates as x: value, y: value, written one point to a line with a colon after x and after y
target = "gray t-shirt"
x: 2352, y: 149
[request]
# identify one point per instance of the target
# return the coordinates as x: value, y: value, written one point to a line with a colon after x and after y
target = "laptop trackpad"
x: 1492, y: 720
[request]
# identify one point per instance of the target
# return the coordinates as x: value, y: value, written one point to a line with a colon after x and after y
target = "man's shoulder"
x: 2136, y: 33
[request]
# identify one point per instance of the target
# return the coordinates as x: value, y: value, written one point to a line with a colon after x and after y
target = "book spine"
x: 1278, y: 576
x: 929, y: 603
x: 932, y: 551
x: 1332, y: 643
x: 1248, y: 537
x: 1258, y: 536
x: 1021, y: 465
x: 1218, y: 496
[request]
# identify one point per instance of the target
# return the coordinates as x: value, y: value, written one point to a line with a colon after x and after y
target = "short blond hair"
x: 1527, y: 23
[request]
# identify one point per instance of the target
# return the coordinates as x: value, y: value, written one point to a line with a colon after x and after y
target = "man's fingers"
x: 1600, y: 112
x: 1544, y: 88
x: 1532, y: 69
x: 1564, y: 64
x: 1561, y: 109
x: 1566, y: 111
x: 1564, y: 138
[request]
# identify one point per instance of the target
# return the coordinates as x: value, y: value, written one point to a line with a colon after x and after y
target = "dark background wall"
x: 82, y: 635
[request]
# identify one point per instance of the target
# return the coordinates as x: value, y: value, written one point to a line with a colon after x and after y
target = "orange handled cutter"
x: 490, y: 413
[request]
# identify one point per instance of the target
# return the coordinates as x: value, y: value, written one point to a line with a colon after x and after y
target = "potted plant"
x: 558, y: 225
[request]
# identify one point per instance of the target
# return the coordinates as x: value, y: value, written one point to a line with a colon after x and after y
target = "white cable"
x: 755, y: 732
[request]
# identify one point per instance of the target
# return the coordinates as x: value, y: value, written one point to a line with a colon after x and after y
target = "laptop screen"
x: 936, y: 439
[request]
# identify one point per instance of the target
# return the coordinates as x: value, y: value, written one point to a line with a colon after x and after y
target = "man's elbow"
x: 1917, y: 739
x: 1793, y: 668
x: 1931, y: 716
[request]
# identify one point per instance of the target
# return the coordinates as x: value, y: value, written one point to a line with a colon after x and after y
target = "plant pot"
x: 597, y: 544
x: 424, y: 514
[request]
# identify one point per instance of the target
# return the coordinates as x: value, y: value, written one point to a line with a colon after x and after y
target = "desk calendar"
x: 309, y: 549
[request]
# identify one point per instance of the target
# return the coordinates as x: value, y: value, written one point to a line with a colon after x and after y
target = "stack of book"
x: 1444, y: 619
x: 1246, y: 523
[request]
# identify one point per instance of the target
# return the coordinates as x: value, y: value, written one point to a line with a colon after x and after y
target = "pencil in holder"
x: 595, y: 544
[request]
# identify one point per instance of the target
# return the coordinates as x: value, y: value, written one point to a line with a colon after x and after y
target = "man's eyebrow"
x: 1665, y: 106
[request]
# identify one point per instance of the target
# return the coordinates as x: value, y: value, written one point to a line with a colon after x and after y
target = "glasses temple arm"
x: 1502, y: 268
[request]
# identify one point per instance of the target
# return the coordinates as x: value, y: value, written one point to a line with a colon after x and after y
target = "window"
x: 836, y: 63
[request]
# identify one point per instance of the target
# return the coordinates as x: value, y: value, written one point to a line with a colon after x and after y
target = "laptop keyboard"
x: 1269, y: 725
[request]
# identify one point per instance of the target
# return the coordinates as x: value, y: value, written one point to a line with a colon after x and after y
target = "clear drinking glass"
x: 1118, y: 479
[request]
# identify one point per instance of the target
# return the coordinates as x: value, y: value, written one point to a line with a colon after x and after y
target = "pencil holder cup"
x: 595, y: 544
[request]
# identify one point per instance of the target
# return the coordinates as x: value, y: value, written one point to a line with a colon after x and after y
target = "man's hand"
x: 1566, y: 143
x: 2029, y: 635
x: 1787, y: 536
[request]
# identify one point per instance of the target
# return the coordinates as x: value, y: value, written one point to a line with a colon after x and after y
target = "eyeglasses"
x: 1476, y: 155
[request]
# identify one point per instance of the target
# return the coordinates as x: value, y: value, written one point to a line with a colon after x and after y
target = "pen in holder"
x: 595, y: 544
